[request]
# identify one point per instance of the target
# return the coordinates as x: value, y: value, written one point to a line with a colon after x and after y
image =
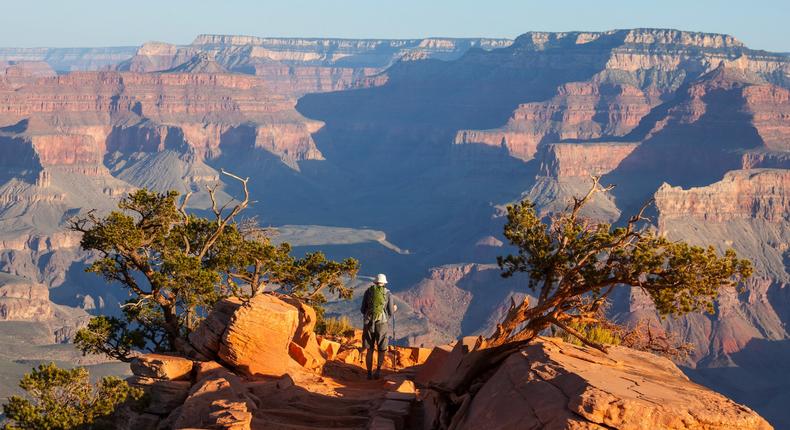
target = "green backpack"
x: 377, y: 299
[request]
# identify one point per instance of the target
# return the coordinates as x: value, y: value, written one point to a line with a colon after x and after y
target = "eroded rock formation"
x: 550, y: 384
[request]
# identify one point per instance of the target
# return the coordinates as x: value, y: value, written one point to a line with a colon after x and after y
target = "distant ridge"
x: 202, y: 62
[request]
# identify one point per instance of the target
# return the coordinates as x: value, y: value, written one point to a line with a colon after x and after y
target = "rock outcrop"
x: 21, y: 300
x: 266, y: 336
x: 78, y: 118
x: 257, y: 338
x: 582, y: 160
x: 255, y: 384
x: 550, y: 384
x: 546, y: 384
x: 580, y: 111
x: 762, y: 194
x: 296, y: 66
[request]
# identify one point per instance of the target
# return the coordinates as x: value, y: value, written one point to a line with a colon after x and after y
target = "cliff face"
x: 580, y: 111
x: 568, y: 160
x: 641, y: 108
x: 425, y: 151
x: 76, y: 118
x: 299, y: 66
x: 636, y: 71
x: 762, y: 194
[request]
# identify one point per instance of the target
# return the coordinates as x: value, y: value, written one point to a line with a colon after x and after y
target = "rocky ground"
x: 260, y: 366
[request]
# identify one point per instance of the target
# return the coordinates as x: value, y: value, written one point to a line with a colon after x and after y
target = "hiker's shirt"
x: 387, y: 312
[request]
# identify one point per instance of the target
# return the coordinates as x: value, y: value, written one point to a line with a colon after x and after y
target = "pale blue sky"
x: 761, y: 24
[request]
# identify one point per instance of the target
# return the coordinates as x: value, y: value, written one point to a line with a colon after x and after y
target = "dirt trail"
x: 340, y: 398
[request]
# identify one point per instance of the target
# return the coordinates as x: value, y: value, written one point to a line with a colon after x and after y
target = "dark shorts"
x: 374, y: 335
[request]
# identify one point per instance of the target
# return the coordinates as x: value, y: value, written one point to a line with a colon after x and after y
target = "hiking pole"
x: 394, y: 338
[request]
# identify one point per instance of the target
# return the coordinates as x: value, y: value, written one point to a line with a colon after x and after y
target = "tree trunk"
x: 172, y: 328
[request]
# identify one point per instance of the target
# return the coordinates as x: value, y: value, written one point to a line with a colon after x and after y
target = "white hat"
x: 381, y: 278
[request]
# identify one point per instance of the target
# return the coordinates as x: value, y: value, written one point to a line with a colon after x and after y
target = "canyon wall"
x: 426, y: 141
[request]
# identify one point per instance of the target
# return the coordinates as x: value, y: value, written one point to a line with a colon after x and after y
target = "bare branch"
x: 183, y: 207
x: 222, y: 222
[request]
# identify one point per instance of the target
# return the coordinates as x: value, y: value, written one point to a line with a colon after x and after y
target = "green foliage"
x: 574, y: 264
x: 110, y: 336
x: 596, y: 333
x: 335, y: 327
x: 61, y: 399
x: 176, y: 266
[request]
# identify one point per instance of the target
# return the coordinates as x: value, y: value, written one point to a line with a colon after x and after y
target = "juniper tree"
x: 62, y: 399
x: 176, y: 265
x: 574, y: 264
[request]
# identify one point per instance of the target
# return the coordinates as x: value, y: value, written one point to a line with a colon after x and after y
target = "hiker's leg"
x: 368, y: 344
x: 381, y: 344
x: 369, y: 361
x: 380, y: 360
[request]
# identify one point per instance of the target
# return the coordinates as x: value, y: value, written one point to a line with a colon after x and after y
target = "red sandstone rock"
x: 581, y: 110
x: 555, y: 385
x: 219, y: 401
x: 309, y: 358
x: 256, y: 341
x: 564, y: 160
x: 743, y: 194
x: 165, y: 396
x: 433, y: 365
x: 159, y: 366
x: 350, y: 356
x: 329, y: 348
x: 206, y: 339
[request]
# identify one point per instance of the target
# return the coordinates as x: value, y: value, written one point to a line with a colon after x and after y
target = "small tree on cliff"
x: 62, y: 399
x: 574, y: 265
x: 176, y: 266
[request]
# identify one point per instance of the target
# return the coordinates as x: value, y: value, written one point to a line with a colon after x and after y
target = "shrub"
x: 335, y: 327
x: 63, y: 399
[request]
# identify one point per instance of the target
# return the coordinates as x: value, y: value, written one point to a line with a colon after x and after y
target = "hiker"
x: 377, y: 308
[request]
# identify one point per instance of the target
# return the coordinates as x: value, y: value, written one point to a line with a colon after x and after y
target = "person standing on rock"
x: 377, y: 308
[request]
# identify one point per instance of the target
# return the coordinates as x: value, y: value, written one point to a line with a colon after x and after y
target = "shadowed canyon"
x: 404, y: 153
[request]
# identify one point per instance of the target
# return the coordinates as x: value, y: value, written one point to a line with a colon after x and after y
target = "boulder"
x: 307, y: 317
x: 164, y: 395
x: 350, y: 356
x: 219, y: 401
x: 550, y: 384
x: 205, y: 369
x: 329, y: 348
x: 309, y: 354
x: 257, y: 338
x: 407, y: 356
x: 160, y: 366
x: 125, y: 418
x: 433, y: 364
x: 308, y: 357
x: 450, y: 369
x: 207, y: 337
